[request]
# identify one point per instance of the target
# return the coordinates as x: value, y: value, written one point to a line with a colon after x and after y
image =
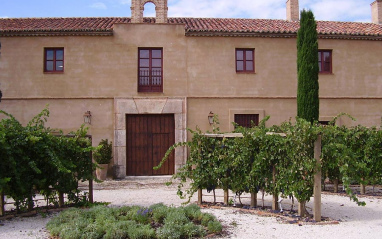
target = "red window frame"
x: 54, y: 60
x: 150, y: 69
x: 245, y: 120
x: 245, y: 60
x: 325, y: 61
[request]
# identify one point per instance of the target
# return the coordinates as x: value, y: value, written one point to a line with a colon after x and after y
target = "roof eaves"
x: 286, y: 34
x: 68, y: 32
x: 351, y: 37
x: 240, y: 34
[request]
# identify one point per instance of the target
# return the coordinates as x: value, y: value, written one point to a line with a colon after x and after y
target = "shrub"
x: 169, y: 231
x: 177, y: 217
x: 159, y: 214
x: 214, y: 226
x: 141, y: 232
x: 207, y: 218
x: 193, y: 213
x: 191, y: 230
x: 103, y: 155
x: 132, y: 222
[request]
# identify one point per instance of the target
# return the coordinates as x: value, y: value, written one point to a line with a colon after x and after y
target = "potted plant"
x: 102, y: 156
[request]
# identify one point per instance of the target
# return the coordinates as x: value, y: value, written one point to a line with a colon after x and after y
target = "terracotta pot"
x: 102, y: 171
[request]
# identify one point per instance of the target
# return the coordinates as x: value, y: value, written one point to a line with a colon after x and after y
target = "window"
x: 323, y: 122
x: 54, y: 60
x: 245, y: 60
x: 325, y: 61
x: 150, y: 70
x: 247, y: 120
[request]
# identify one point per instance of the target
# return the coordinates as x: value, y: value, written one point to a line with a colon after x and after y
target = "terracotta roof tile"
x: 192, y: 26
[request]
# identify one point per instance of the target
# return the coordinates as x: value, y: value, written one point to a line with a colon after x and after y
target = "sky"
x: 327, y: 10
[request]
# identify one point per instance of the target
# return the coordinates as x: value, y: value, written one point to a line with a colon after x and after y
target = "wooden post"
x: 253, y: 199
x: 2, y: 204
x: 275, y: 203
x: 61, y: 199
x: 92, y: 173
x: 30, y: 201
x: 200, y: 196
x: 335, y: 186
x: 301, y: 209
x: 317, y: 181
x: 362, y: 189
x: 226, y: 196
x: 91, y: 191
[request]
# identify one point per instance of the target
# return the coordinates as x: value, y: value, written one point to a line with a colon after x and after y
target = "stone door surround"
x: 124, y: 106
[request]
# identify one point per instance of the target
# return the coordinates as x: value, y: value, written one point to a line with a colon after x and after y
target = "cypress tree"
x: 308, y: 103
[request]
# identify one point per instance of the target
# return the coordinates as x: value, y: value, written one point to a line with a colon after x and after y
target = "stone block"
x: 119, y: 171
x: 126, y: 106
x: 120, y: 138
x: 120, y: 121
x: 120, y: 155
x: 173, y: 106
x: 150, y: 106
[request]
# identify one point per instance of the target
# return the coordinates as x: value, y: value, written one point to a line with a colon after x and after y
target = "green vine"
x: 279, y: 159
x: 34, y: 160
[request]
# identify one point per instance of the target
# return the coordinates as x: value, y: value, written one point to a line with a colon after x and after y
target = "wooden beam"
x: 226, y: 197
x: 2, y: 204
x: 200, y: 196
x: 253, y: 199
x: 275, y: 203
x: 317, y: 181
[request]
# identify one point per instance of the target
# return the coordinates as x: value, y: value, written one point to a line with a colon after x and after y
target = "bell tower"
x: 138, y: 6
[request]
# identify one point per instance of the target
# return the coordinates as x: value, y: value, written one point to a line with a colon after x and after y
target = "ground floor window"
x: 247, y: 120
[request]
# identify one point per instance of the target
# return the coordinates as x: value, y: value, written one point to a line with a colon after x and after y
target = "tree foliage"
x: 307, y: 68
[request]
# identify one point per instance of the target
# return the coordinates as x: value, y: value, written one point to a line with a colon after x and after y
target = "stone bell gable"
x: 138, y: 6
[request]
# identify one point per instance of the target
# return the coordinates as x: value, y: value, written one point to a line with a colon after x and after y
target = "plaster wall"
x: 66, y: 114
x: 357, y: 69
x: 95, y: 67
x: 106, y: 67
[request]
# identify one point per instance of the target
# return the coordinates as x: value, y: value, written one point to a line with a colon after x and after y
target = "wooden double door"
x: 148, y: 138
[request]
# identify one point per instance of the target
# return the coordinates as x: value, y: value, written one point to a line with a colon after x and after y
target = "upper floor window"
x: 245, y: 60
x: 150, y: 70
x: 247, y: 120
x: 325, y: 61
x: 54, y: 60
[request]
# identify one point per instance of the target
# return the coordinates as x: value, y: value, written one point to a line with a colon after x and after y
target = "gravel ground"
x: 355, y: 222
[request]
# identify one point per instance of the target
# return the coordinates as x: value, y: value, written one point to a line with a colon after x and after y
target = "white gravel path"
x: 356, y: 222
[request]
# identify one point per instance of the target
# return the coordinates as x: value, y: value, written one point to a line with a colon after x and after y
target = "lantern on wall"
x: 87, y: 117
x: 211, y: 118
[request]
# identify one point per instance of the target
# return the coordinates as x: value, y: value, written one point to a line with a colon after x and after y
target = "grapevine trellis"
x: 35, y: 159
x: 262, y: 160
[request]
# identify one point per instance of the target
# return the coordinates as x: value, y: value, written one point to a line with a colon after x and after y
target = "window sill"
x: 245, y: 72
x: 325, y: 73
x: 53, y: 72
x: 150, y: 92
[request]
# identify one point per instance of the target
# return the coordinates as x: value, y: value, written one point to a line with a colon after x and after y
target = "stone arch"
x: 137, y: 8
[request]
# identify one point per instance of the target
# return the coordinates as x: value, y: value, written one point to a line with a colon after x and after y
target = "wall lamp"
x: 211, y: 118
x: 88, y: 117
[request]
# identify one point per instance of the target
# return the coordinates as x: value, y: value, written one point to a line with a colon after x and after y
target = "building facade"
x: 146, y: 80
